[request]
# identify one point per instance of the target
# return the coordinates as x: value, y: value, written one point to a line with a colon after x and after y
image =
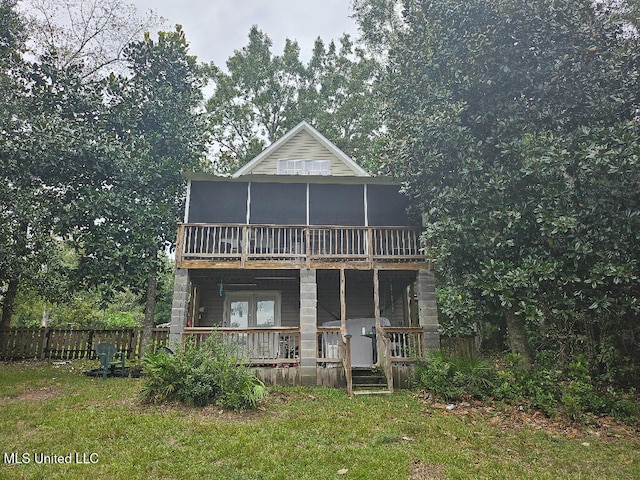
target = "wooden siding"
x: 303, y: 147
x: 213, y: 304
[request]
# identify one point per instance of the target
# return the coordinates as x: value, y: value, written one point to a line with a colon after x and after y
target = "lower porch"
x: 312, y: 327
x: 275, y: 352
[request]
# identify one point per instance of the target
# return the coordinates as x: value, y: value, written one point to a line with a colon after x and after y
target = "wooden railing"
x: 334, y: 349
x: 257, y: 346
x: 329, y: 345
x: 296, y: 243
x: 405, y: 343
x: 384, y: 356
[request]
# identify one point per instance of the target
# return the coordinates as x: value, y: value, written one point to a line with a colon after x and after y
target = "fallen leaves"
x: 508, y: 417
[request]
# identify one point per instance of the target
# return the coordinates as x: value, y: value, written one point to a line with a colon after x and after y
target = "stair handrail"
x: 384, y: 356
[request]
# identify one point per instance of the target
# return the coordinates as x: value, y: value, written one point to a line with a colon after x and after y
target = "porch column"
x: 343, y: 303
x: 376, y: 298
x: 179, y: 307
x: 427, y: 309
x: 308, y: 326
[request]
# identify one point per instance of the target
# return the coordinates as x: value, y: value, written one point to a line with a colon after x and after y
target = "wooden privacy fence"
x: 72, y: 343
x: 459, y: 346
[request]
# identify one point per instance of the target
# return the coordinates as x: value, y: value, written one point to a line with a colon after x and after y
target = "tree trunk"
x: 149, y: 310
x: 518, y: 341
x: 9, y: 302
x: 46, y: 316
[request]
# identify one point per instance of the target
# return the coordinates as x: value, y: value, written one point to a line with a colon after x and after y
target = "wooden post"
x: 46, y: 346
x: 370, y: 246
x: 343, y: 303
x: 241, y: 245
x: 307, y: 242
x: 131, y: 344
x: 346, y: 362
x: 376, y: 298
x: 43, y: 343
x: 179, y: 245
x: 406, y: 322
x: 193, y: 307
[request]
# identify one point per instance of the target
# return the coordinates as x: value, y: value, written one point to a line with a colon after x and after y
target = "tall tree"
x: 129, y: 221
x: 91, y: 33
x: 255, y: 102
x: 340, y: 98
x: 54, y: 146
x: 52, y: 143
x: 46, y: 140
x: 12, y: 37
x: 261, y: 96
x: 481, y: 94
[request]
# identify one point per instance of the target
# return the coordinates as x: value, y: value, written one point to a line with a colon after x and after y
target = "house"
x: 310, y: 265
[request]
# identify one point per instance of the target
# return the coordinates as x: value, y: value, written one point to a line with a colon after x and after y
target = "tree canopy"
x: 515, y: 127
x: 92, y: 34
x: 94, y: 160
x: 260, y: 96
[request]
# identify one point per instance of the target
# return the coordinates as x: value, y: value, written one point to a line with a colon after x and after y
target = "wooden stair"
x: 367, y: 381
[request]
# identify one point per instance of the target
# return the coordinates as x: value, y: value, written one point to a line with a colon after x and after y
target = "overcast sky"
x: 215, y: 28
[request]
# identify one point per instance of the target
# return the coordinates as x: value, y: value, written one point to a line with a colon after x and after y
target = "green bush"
x: 208, y: 373
x: 539, y: 387
x: 571, y: 392
x: 450, y: 378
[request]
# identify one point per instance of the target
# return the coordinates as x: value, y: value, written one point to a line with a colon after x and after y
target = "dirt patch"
x: 425, y: 471
x: 37, y: 394
x: 201, y: 415
x: 508, y: 417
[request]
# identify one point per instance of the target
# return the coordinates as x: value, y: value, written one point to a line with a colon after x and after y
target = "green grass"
x: 299, y: 433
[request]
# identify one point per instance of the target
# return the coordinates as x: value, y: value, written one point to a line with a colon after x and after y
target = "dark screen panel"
x: 279, y: 203
x: 336, y: 204
x: 218, y: 202
x: 386, y: 206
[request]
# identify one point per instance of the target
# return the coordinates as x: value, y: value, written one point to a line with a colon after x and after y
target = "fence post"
x: 44, y: 343
x: 136, y: 343
x: 131, y: 346
x: 90, y: 345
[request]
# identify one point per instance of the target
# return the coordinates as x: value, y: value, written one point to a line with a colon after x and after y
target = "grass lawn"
x: 299, y: 433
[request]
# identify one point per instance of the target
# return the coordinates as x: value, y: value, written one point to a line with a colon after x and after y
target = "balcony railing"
x: 298, y: 244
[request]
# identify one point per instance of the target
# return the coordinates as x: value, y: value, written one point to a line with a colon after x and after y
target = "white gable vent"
x: 304, y: 167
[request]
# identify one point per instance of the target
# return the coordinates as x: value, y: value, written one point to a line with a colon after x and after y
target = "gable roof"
x: 350, y: 167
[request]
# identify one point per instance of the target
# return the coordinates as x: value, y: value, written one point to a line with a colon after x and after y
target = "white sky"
x: 215, y: 28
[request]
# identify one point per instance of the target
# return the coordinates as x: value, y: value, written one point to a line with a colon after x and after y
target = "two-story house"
x: 310, y: 265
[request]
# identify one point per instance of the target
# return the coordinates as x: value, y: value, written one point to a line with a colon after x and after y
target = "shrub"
x: 539, y: 387
x: 208, y: 373
x: 572, y: 393
x: 451, y: 378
